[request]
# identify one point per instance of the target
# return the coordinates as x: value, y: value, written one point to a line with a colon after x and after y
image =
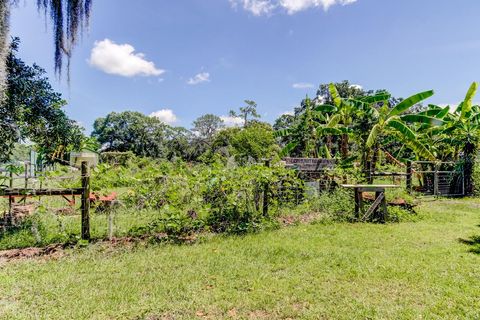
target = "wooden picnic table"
x: 378, y: 210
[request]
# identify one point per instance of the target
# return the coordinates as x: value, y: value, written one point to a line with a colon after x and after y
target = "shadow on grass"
x: 473, y: 242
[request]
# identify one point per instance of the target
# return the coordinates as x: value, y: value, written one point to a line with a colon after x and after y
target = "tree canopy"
x: 131, y: 131
x: 32, y: 111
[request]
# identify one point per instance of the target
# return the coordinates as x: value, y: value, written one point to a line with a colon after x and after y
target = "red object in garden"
x: 94, y: 197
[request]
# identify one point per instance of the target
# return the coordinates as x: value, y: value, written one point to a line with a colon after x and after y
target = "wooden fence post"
x: 409, y: 176
x: 265, y: 192
x: 26, y: 182
x: 85, y: 201
x: 10, y: 200
x: 435, y: 179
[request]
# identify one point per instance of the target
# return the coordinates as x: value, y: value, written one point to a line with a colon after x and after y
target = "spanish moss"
x: 4, y: 23
x: 69, y: 18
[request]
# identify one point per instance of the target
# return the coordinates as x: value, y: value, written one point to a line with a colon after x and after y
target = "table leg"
x: 384, y: 209
x: 357, y: 203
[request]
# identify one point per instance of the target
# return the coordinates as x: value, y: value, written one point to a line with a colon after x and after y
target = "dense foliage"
x: 32, y: 111
x: 221, y: 198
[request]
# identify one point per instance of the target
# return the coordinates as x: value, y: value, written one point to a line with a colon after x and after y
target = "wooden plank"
x: 374, y: 205
x: 373, y: 189
x: 370, y: 185
x: 85, y: 202
x: 310, y: 164
x: 16, y: 192
x: 389, y: 174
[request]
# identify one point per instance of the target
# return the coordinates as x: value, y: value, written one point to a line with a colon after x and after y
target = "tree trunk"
x: 344, y: 146
x: 329, y: 144
x: 365, y: 164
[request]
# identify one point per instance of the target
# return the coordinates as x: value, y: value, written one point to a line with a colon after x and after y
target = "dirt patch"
x: 58, y: 250
x: 55, y: 250
x: 292, y: 220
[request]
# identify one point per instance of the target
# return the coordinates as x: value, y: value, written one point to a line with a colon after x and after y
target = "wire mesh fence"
x: 438, y: 178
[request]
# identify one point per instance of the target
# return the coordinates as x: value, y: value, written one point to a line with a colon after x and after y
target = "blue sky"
x: 206, y: 56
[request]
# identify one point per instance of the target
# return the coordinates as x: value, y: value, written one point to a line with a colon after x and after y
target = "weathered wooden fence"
x: 11, y: 193
x: 436, y: 178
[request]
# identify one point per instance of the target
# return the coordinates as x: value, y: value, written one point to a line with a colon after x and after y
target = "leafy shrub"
x: 337, y: 204
x: 476, y: 179
x: 117, y: 158
x: 172, y: 226
x: 399, y: 214
x: 232, y: 195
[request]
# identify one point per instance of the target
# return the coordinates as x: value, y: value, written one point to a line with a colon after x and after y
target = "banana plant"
x: 460, y: 134
x: 395, y: 121
x: 307, y: 134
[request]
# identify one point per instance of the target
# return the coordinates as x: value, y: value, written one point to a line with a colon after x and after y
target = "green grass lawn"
x: 322, y: 271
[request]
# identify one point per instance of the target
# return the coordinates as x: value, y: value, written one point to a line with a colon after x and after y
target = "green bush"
x: 337, y: 204
x: 232, y: 196
x: 117, y: 158
x: 476, y: 179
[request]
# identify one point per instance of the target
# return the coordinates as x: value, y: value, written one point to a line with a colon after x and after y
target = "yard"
x: 406, y: 270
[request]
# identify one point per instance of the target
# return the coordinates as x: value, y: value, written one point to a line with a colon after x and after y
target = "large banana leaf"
x: 420, y: 150
x: 355, y: 103
x: 372, y: 137
x: 459, y: 108
x: 325, y: 108
x: 288, y: 148
x: 376, y: 98
x: 410, y: 102
x: 320, y: 117
x: 334, y: 121
x: 326, y: 131
x: 282, y: 133
x: 418, y: 118
x: 467, y: 103
x: 402, y: 128
x: 335, y: 95
x: 325, y: 152
x: 435, y: 111
x: 443, y: 113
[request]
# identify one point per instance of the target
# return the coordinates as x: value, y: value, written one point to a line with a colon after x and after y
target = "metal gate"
x: 438, y: 178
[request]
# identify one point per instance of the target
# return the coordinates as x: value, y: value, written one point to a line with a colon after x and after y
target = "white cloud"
x: 199, y: 78
x: 265, y: 7
x: 287, y: 113
x: 303, y: 85
x: 230, y: 121
x: 165, y: 115
x: 121, y: 59
x: 356, y: 86
x: 257, y: 7
x: 294, y: 6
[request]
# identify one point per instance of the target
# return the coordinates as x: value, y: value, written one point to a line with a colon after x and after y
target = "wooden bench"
x: 378, y: 210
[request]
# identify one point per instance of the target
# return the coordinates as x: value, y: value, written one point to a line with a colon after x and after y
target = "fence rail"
x: 11, y: 192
